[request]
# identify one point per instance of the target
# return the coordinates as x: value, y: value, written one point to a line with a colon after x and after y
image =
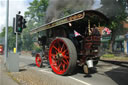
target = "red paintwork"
x: 38, y: 60
x: 59, y: 56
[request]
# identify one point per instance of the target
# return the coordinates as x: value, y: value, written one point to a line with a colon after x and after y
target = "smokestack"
x: 56, y: 7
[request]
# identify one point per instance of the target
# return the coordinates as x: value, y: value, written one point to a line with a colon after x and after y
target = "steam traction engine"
x: 70, y: 41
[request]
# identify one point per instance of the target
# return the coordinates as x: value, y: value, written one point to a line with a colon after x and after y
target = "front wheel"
x: 38, y: 60
x: 62, y: 56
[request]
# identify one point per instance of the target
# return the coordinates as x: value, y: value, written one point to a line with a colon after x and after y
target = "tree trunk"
x: 112, y: 41
x: 111, y: 46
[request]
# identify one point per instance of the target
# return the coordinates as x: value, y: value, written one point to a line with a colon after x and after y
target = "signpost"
x: 6, y: 32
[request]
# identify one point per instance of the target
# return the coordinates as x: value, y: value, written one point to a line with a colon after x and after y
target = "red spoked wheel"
x: 62, y: 56
x: 38, y: 60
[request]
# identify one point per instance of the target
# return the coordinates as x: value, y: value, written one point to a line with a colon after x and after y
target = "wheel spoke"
x: 62, y: 48
x: 39, y: 59
x: 54, y: 64
x: 60, y: 65
x: 39, y: 63
x: 64, y: 52
x: 65, y: 62
x: 64, y: 67
x: 66, y: 57
x: 59, y: 46
x: 54, y: 56
x: 55, y: 48
x: 58, y: 68
x: 56, y: 52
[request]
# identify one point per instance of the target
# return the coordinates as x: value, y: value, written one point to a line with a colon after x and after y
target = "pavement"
x: 5, y: 79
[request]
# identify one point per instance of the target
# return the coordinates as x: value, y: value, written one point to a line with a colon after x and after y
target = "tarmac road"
x: 104, y: 73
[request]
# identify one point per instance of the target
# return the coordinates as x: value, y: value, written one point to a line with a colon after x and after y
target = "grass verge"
x: 113, y: 57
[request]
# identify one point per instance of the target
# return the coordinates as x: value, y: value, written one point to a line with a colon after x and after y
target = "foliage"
x: 115, y: 16
x: 114, y: 57
x: 2, y: 34
x: 116, y: 22
x: 11, y: 38
x: 37, y: 49
x: 36, y: 12
x: 27, y: 42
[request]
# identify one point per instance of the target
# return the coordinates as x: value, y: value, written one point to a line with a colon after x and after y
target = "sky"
x: 19, y: 5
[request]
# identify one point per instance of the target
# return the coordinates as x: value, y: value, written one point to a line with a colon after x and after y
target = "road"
x: 104, y: 74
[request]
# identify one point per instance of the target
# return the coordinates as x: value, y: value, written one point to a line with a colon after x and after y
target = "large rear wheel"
x: 62, y: 56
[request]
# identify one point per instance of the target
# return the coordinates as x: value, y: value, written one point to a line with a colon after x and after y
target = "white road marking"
x: 45, y: 70
x: 83, y: 82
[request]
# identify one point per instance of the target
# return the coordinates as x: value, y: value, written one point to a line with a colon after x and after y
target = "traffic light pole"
x: 14, y: 30
x: 20, y: 24
x: 6, y: 33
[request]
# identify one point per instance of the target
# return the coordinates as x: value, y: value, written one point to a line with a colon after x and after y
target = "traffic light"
x: 19, y: 22
x: 24, y: 23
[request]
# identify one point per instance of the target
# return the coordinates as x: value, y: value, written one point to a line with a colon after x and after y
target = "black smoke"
x: 56, y: 7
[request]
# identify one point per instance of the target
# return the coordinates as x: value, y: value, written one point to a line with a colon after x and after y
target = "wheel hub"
x: 59, y: 56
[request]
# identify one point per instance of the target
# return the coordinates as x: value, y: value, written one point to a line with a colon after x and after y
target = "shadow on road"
x: 22, y: 70
x: 43, y: 65
x: 120, y: 74
x: 32, y: 65
x: 79, y: 70
x: 119, y: 63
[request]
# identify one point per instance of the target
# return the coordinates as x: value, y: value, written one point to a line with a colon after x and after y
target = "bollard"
x: 14, y: 50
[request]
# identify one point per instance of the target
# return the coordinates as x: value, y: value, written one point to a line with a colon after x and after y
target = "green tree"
x: 116, y: 25
x: 11, y: 38
x: 36, y: 11
x: 115, y: 10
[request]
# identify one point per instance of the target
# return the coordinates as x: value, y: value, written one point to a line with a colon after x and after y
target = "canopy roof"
x: 71, y: 18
